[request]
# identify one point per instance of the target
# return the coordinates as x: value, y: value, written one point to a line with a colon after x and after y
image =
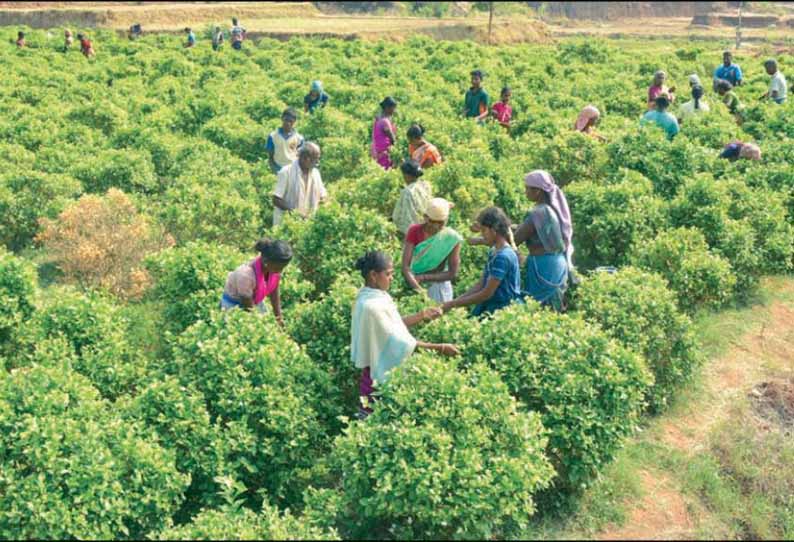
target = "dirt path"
x: 664, y: 511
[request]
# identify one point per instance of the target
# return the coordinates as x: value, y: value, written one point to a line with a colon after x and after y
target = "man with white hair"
x: 299, y: 187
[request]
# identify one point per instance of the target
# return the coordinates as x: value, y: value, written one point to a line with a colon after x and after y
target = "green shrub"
x: 587, y: 388
x: 443, y: 456
x: 637, y: 309
x: 17, y: 293
x: 572, y: 156
x: 25, y: 197
x: 73, y: 469
x: 265, y: 391
x: 96, y: 330
x: 609, y: 219
x: 700, y: 278
x: 239, y: 134
x: 129, y: 171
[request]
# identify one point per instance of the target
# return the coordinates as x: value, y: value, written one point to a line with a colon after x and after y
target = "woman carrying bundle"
x: 383, y: 133
x: 421, y: 151
x: 431, y: 252
x: 248, y: 285
x: 500, y: 284
x: 547, y: 232
x: 380, y: 337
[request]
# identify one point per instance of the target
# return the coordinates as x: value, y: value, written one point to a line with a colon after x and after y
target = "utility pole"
x: 490, y: 21
x: 739, y: 27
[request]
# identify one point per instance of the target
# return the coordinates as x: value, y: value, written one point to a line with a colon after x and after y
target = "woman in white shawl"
x: 380, y: 336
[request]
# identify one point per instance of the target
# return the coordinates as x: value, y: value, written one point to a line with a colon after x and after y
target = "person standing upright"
x: 778, y: 88
x: 476, y: 101
x: 238, y: 34
x: 728, y: 71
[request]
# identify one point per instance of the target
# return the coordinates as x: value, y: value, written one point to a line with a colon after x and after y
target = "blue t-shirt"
x: 191, y: 38
x: 732, y: 73
x: 502, y: 265
x: 662, y: 119
x: 320, y: 101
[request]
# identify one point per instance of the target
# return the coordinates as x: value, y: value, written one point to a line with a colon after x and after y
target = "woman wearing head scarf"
x: 694, y: 107
x: 315, y: 98
x: 431, y: 252
x: 547, y: 231
x: 414, y: 198
x: 383, y: 133
x: 737, y: 149
x: 586, y: 121
x: 658, y: 87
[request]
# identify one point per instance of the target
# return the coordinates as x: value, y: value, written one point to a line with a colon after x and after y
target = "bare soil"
x: 774, y: 401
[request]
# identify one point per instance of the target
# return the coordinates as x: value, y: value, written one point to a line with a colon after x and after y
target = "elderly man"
x: 778, y: 89
x: 299, y: 187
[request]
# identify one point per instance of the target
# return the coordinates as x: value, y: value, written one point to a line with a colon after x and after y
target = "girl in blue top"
x: 500, y: 284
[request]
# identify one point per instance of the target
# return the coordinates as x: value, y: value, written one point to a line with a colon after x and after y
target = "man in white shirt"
x: 299, y: 186
x: 777, y: 86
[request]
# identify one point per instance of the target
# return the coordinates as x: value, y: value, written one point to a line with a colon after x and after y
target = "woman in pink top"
x: 248, y: 285
x: 658, y: 87
x: 502, y: 111
x: 383, y: 131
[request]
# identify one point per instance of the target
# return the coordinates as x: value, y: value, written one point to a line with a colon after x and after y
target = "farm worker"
x: 500, y: 284
x: 476, y: 101
x: 728, y: 71
x: 191, y: 38
x: 238, y: 34
x: 383, y: 133
x: 380, y: 340
x: 658, y: 87
x: 694, y: 107
x: 315, y: 98
x: 661, y: 117
x: 587, y: 120
x: 777, y: 86
x: 299, y: 186
x: 68, y: 40
x: 283, y: 143
x: 501, y: 110
x: 217, y: 38
x: 694, y: 81
x: 414, y: 198
x: 547, y: 231
x: 86, y: 47
x: 737, y: 149
x: 248, y: 285
x: 431, y: 252
x: 20, y: 39
x: 421, y: 151
x: 135, y: 31
x: 731, y: 100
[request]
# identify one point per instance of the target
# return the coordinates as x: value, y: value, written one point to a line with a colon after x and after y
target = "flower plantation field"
x: 132, y: 183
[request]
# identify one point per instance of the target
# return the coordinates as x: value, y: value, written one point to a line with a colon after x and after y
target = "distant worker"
x: 731, y: 100
x: 315, y: 98
x: 217, y: 38
x: 135, y: 31
x: 68, y: 40
x: 283, y: 143
x: 422, y: 151
x: 253, y: 281
x: 380, y: 340
x: 694, y: 107
x: 476, y: 102
x: 777, y: 86
x: 191, y: 38
x: 500, y: 284
x: 587, y: 120
x: 20, y: 39
x: 728, y: 71
x: 737, y: 149
x: 86, y: 47
x: 694, y: 81
x: 414, y: 198
x: 661, y: 117
x: 238, y: 34
x: 502, y: 111
x: 299, y: 187
x: 431, y: 252
x: 384, y: 133
x: 658, y: 87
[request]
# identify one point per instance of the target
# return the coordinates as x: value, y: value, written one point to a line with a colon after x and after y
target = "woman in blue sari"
x: 547, y: 232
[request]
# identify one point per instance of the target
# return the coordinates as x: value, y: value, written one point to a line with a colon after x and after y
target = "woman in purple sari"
x: 383, y: 131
